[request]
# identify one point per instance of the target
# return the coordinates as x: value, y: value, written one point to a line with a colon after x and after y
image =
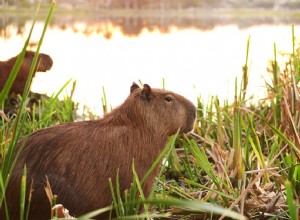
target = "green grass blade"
x: 20, y: 117
x: 276, y: 217
x: 35, y: 58
x: 198, y: 207
x: 104, y: 102
x: 92, y: 214
x: 29, y: 200
x: 246, y: 70
x: 277, y: 89
x: 198, y: 185
x: 145, y: 216
x: 284, y: 138
x: 293, y: 210
x: 160, y: 156
x: 133, y: 207
x: 53, y: 99
x: 202, y: 161
x: 167, y: 150
x: 23, y: 194
x: 138, y: 183
x: 119, y: 197
x: 295, y: 58
x: 17, y: 65
x: 115, y: 203
x: 3, y: 187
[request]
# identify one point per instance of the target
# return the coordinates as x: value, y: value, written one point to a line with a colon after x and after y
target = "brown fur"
x: 44, y: 63
x: 78, y: 158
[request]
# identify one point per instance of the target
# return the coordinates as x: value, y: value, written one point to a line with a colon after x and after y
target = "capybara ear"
x: 146, y: 93
x: 134, y: 87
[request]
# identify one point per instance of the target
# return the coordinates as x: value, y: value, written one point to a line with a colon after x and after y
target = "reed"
x: 13, y: 128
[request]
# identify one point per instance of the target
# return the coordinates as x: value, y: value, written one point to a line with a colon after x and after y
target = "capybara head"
x: 44, y: 63
x: 162, y: 109
x: 79, y: 157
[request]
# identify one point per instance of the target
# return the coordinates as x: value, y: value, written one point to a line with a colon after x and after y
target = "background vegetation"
x: 161, y: 4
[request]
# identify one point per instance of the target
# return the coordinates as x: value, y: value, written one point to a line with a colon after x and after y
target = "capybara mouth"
x: 191, y: 118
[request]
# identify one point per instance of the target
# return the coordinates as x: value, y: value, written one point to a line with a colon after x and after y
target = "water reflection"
x: 193, y: 61
x: 134, y: 25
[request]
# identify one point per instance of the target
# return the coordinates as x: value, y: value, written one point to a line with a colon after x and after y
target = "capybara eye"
x: 168, y: 99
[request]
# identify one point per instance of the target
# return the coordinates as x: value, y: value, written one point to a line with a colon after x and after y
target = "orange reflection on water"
x: 192, y: 62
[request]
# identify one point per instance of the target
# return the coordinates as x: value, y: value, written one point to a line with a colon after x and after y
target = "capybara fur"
x: 44, y: 63
x: 79, y: 157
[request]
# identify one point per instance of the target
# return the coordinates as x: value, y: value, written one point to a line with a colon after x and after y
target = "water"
x: 195, y: 58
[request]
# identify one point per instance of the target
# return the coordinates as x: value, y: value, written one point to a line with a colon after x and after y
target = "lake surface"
x: 195, y: 57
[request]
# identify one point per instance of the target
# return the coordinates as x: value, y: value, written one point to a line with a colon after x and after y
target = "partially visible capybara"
x: 79, y: 158
x: 44, y: 63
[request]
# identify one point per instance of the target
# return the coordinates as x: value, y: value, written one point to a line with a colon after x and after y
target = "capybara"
x: 79, y: 157
x: 44, y: 63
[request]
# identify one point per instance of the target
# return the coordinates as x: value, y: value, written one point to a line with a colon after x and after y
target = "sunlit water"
x: 193, y: 62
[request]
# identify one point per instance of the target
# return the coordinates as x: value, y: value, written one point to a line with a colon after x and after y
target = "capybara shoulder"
x: 78, y: 158
x: 44, y: 63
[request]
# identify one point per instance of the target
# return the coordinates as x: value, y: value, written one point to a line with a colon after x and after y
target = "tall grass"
x: 242, y: 156
x: 12, y: 129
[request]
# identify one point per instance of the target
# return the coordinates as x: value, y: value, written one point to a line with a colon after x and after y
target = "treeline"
x: 135, y: 4
x: 163, y: 4
x: 153, y: 4
x: 185, y: 4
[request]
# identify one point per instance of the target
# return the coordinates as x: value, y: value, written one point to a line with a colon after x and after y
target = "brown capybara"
x: 79, y: 158
x: 44, y: 63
